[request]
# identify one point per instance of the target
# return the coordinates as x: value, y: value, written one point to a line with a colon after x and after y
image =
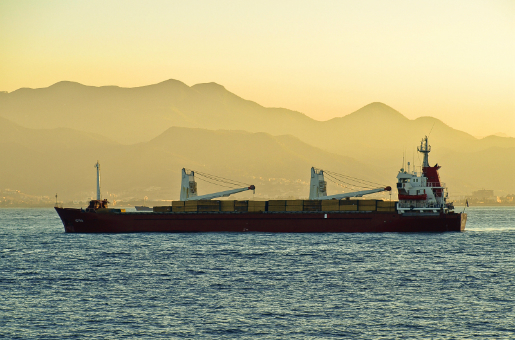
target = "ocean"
x: 256, y: 286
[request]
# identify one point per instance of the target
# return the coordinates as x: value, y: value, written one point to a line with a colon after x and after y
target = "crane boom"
x: 354, y: 194
x: 189, y: 189
x: 225, y: 193
x: 318, y: 188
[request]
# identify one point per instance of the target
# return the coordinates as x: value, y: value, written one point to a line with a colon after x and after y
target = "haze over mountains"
x: 277, y: 165
x: 143, y: 136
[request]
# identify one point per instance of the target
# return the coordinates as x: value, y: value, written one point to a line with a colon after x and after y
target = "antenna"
x: 404, y: 159
x: 431, y: 129
x: 98, y: 180
x: 424, y: 148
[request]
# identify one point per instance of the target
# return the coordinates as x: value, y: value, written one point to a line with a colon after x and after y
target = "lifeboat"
x: 421, y: 197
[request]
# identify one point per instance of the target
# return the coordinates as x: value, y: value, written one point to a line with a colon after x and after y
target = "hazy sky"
x: 453, y: 60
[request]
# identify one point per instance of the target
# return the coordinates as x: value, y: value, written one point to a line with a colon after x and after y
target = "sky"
x: 453, y: 60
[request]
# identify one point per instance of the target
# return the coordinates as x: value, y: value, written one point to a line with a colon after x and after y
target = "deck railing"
x: 419, y: 205
x: 436, y: 185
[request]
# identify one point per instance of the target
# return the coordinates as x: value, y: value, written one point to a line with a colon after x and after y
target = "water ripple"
x: 247, y: 286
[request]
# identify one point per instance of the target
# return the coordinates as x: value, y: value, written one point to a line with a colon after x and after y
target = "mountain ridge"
x: 281, y: 163
x: 277, y: 165
x: 374, y: 136
x: 131, y: 115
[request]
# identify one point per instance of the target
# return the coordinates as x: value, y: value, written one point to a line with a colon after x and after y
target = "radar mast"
x: 425, y: 148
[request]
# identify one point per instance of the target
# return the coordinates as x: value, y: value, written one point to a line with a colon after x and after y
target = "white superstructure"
x: 422, y: 192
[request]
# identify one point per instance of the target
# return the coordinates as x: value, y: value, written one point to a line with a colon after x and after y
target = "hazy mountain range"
x: 143, y: 136
x: 277, y: 165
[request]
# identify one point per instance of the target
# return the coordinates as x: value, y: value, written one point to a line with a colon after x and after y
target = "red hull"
x: 79, y: 221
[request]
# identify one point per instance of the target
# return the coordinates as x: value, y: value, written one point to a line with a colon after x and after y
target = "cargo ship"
x: 421, y: 207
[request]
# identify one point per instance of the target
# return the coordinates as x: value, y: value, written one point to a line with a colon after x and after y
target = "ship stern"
x: 463, y: 221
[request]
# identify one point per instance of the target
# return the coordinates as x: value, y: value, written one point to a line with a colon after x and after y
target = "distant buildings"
x: 487, y: 197
x: 484, y: 196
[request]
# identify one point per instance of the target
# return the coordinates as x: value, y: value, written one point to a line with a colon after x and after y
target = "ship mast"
x: 98, y: 180
x: 424, y: 148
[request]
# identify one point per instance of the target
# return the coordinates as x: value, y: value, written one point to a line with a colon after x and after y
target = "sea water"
x: 251, y: 285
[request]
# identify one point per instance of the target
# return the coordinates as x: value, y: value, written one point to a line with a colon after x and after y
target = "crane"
x: 318, y: 188
x: 189, y: 188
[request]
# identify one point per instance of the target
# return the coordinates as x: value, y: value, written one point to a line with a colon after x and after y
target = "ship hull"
x: 80, y: 221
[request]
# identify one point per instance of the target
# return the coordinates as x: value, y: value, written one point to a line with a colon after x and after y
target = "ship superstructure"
x: 422, y: 192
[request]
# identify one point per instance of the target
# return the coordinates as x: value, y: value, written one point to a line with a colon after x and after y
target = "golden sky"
x: 453, y: 60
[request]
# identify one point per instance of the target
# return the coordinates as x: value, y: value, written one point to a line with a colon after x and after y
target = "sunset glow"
x: 452, y: 60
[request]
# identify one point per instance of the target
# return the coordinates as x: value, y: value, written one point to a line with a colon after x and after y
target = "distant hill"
x: 131, y: 115
x: 63, y: 138
x: 492, y: 168
x: 279, y: 166
x: 376, y: 136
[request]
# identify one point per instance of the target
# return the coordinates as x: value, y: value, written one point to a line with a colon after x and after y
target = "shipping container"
x: 166, y: 208
x: 385, y: 204
x: 330, y: 205
x: 208, y: 208
x: 367, y: 202
x: 277, y: 203
x: 241, y: 206
x: 348, y: 202
x: 312, y: 205
x: 391, y: 209
x: 226, y: 205
x: 256, y: 206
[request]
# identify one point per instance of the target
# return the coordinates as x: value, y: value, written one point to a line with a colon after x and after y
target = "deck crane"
x: 318, y: 188
x: 189, y: 188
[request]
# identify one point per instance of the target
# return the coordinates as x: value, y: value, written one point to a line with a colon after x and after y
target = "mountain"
x: 63, y: 138
x: 492, y: 168
x: 375, y: 136
x: 131, y: 115
x: 278, y: 166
